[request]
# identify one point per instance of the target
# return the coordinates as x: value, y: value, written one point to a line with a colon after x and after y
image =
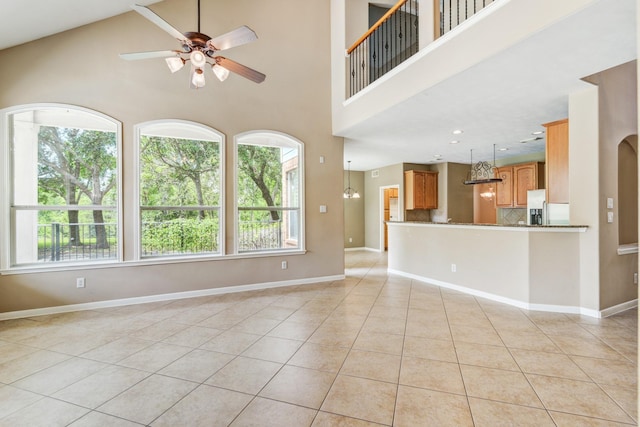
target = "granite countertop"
x: 488, y: 225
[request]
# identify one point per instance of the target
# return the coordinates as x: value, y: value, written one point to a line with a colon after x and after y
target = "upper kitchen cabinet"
x: 421, y: 189
x: 504, y: 189
x: 557, y: 161
x: 516, y: 181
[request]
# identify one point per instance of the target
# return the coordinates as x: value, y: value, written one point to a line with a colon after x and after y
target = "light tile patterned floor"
x: 369, y: 350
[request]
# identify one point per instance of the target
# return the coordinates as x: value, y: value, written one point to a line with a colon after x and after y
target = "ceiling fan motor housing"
x: 198, y: 40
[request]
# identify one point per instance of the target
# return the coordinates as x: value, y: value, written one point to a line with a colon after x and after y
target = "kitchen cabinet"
x: 557, y: 161
x: 516, y: 181
x: 504, y: 189
x: 420, y: 189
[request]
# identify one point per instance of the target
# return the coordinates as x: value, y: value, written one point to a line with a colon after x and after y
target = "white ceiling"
x: 22, y: 21
x: 500, y: 101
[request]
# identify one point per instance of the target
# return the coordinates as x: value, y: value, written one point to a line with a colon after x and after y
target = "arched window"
x: 180, y: 189
x: 269, y: 179
x: 61, y: 198
x: 628, y: 191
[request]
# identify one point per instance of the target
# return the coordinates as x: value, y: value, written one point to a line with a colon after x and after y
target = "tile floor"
x: 369, y: 350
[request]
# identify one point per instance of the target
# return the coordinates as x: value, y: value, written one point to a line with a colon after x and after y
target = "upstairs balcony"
x: 405, y: 75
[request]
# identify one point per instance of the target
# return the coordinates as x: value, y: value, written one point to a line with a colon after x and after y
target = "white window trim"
x: 301, y: 161
x: 137, y: 223
x: 6, y: 236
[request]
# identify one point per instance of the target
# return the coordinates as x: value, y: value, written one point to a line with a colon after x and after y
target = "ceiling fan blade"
x: 237, y: 37
x: 151, y: 16
x: 244, y: 71
x: 149, y: 55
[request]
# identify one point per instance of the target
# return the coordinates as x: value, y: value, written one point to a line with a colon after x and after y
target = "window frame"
x: 292, y: 141
x: 7, y: 217
x: 138, y: 131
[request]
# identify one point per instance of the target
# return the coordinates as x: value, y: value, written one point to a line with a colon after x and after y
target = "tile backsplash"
x: 512, y: 216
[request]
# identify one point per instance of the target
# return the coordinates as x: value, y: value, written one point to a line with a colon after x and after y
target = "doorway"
x: 390, y: 210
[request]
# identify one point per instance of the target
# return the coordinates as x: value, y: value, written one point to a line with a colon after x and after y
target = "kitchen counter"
x: 498, y: 226
x: 529, y: 266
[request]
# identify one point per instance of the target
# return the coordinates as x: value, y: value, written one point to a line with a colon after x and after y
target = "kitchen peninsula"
x: 532, y: 267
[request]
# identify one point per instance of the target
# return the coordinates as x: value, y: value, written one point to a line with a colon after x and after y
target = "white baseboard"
x: 362, y: 248
x: 373, y: 250
x: 164, y: 297
x: 619, y: 308
x: 521, y: 304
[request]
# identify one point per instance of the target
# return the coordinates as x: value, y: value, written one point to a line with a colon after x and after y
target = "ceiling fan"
x: 200, y: 49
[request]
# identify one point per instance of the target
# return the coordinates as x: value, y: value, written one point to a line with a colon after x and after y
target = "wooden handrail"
x: 376, y: 25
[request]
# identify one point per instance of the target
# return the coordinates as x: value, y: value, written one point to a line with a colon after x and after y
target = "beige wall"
x: 82, y: 67
x: 460, y: 196
x: 618, y: 119
x: 354, y: 212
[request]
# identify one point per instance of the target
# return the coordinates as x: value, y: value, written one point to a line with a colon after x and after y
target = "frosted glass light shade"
x: 174, y: 63
x: 220, y: 72
x: 198, y: 78
x: 198, y: 59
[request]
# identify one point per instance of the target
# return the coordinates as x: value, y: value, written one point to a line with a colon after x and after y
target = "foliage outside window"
x: 268, y: 192
x: 64, y: 186
x: 180, y: 189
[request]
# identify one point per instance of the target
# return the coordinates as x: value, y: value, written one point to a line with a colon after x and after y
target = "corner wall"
x: 618, y: 119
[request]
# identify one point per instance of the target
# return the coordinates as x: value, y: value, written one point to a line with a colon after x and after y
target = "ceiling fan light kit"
x: 221, y: 73
x: 200, y: 49
x: 175, y: 63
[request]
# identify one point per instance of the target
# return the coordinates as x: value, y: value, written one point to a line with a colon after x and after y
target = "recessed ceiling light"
x: 454, y: 142
x: 503, y: 149
x: 538, y: 132
x: 437, y: 156
x: 535, y: 138
x: 458, y: 132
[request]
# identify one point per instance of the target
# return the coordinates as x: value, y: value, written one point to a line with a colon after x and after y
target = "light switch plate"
x: 323, y: 208
x: 609, y: 217
x: 609, y: 203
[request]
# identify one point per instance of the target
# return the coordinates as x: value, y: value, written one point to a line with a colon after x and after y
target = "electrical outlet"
x: 80, y: 282
x: 609, y: 217
x: 454, y: 268
x: 350, y: 239
x: 284, y: 265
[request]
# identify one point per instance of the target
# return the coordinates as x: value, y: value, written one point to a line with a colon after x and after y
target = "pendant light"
x: 350, y: 193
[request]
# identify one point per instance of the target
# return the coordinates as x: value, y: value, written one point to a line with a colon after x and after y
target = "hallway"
x: 372, y: 349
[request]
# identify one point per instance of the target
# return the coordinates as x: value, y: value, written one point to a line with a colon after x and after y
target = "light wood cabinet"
x: 504, y: 189
x: 557, y: 161
x: 516, y: 181
x: 420, y: 190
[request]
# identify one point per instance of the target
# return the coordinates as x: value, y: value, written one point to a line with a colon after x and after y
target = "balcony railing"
x: 453, y: 12
x: 389, y: 42
x: 267, y: 228
x: 394, y: 38
x: 76, y: 242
